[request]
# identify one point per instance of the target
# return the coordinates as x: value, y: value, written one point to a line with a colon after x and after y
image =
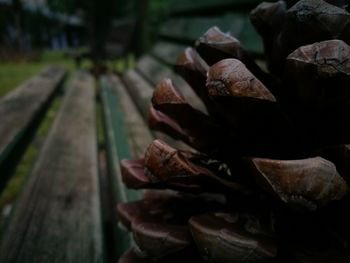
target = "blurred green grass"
x: 13, y: 74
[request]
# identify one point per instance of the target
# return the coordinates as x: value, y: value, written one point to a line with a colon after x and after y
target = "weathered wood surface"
x: 57, y: 216
x: 22, y: 105
x: 127, y: 136
x: 140, y: 90
x: 139, y: 136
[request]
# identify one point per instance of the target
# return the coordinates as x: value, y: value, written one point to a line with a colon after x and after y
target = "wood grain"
x: 22, y: 105
x: 57, y: 216
x: 140, y: 90
x: 139, y: 135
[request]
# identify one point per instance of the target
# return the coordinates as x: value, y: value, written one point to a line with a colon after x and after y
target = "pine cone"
x: 268, y: 178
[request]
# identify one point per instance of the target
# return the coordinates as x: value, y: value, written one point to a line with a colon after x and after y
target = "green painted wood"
x: 209, y: 6
x: 138, y: 134
x: 187, y: 30
x: 116, y: 137
x: 115, y: 116
x: 57, y: 217
x: 250, y: 39
x: 21, y: 106
x: 127, y: 136
x: 126, y: 131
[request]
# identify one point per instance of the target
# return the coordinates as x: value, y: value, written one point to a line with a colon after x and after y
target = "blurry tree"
x: 67, y: 6
x: 141, y: 27
x: 97, y: 16
x: 18, y: 10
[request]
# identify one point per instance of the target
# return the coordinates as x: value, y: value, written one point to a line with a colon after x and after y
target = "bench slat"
x: 57, y: 216
x: 126, y: 137
x: 187, y: 30
x: 22, y: 105
x: 139, y: 136
x: 140, y: 90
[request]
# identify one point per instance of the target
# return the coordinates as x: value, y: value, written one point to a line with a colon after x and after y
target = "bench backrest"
x: 190, y: 19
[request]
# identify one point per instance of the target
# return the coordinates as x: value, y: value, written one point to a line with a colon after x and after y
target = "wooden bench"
x: 61, y: 214
x: 126, y: 98
x: 57, y: 216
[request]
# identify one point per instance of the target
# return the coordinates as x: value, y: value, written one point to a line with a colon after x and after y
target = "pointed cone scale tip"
x: 159, y: 239
x: 185, y: 58
x: 189, y: 58
x: 133, y: 173
x: 156, y: 151
x: 331, y: 56
x: 230, y: 77
x: 166, y: 164
x: 265, y: 12
x: 166, y: 93
x: 128, y: 212
x: 220, y: 238
x: 163, y: 162
x: 130, y: 256
x: 214, y: 36
x: 307, y: 183
x: 157, y: 118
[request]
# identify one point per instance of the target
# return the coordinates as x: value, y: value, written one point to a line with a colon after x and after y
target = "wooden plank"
x: 209, y: 6
x: 126, y: 137
x: 154, y: 71
x: 21, y: 106
x: 57, y: 217
x: 140, y: 90
x: 167, y: 52
x: 139, y: 136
